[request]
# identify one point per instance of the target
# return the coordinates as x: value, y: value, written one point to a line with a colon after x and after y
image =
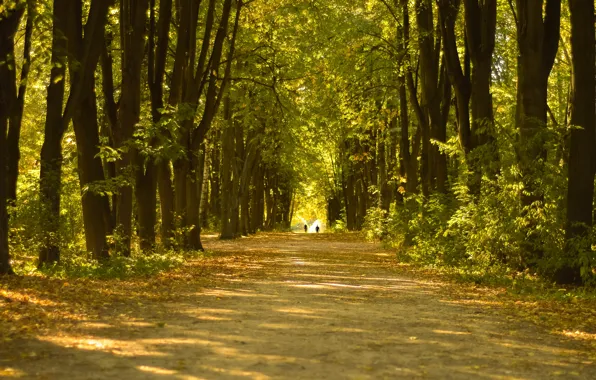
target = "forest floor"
x: 296, y: 306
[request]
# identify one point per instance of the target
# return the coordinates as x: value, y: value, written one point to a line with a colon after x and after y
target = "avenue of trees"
x: 461, y: 131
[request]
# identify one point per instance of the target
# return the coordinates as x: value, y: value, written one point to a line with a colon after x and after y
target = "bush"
x: 486, y: 233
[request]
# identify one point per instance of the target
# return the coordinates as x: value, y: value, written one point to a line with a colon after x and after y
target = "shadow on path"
x: 300, y: 306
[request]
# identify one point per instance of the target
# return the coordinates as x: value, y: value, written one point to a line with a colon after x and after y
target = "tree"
x: 434, y: 163
x: 582, y: 149
x: 16, y: 118
x: 50, y: 176
x: 158, y: 47
x: 84, y: 49
x: 538, y: 42
x: 9, y: 22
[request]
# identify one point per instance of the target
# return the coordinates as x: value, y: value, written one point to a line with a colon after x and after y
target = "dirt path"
x: 299, y: 307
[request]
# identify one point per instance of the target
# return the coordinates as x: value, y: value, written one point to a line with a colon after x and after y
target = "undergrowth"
x: 79, y: 265
x: 483, y: 239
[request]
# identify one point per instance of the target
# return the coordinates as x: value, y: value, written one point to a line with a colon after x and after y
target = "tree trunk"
x: 481, y: 21
x: 9, y: 23
x: 85, y: 49
x: 434, y: 162
x: 362, y: 196
x: 95, y: 206
x: 181, y: 176
x: 50, y: 176
x: 133, y: 17
x: 258, y: 199
x: 384, y: 199
x: 14, y: 131
x: 239, y: 162
x: 146, y: 199
x: 408, y: 159
x: 215, y: 195
x: 460, y: 78
x: 228, y: 199
x: 205, y: 178
x: 156, y: 72
x: 166, y: 202
x: 349, y: 188
x: 248, y: 168
x: 580, y: 191
x: 538, y: 41
x: 193, y: 192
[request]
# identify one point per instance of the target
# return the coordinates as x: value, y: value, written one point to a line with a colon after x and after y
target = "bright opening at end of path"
x: 312, y: 227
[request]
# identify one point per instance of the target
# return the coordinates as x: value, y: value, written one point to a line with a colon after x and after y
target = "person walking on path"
x: 305, y: 228
x: 317, y: 228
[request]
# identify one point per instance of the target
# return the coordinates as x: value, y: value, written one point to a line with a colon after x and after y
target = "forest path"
x: 297, y: 306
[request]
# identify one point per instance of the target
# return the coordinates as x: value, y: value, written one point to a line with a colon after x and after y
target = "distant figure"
x: 305, y: 228
x: 317, y: 228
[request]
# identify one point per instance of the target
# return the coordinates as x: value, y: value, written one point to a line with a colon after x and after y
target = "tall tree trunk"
x: 205, y: 178
x: 481, y: 21
x: 384, y: 194
x: 85, y: 50
x: 14, y: 131
x: 9, y: 23
x: 240, y: 161
x: 50, y: 176
x: 258, y: 198
x: 215, y: 195
x: 146, y: 199
x: 229, y: 200
x: 194, y: 189
x: 110, y: 113
x: 580, y: 191
x: 196, y: 84
x: 538, y: 41
x: 158, y: 47
x: 408, y: 159
x: 166, y: 202
x: 182, y: 172
x: 349, y: 187
x: 133, y: 17
x: 460, y: 78
x: 362, y: 196
x: 434, y: 161
x: 96, y: 213
x: 248, y: 168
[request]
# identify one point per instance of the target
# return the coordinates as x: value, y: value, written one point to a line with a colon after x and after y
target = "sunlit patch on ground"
x: 156, y: 370
x: 11, y: 372
x: 451, y: 332
x: 281, y: 306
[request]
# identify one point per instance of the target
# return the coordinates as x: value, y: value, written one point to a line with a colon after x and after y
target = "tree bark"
x: 384, y: 200
x: 84, y: 50
x: 481, y: 21
x: 229, y: 215
x: 50, y: 176
x: 349, y: 188
x: 14, y: 131
x: 166, y: 202
x: 408, y: 158
x: 258, y: 199
x: 133, y: 18
x: 248, y: 168
x: 158, y: 48
x: 9, y: 23
x: 194, y: 189
x: 448, y: 12
x: 434, y: 162
x: 580, y: 190
x: 538, y: 41
x: 215, y: 194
